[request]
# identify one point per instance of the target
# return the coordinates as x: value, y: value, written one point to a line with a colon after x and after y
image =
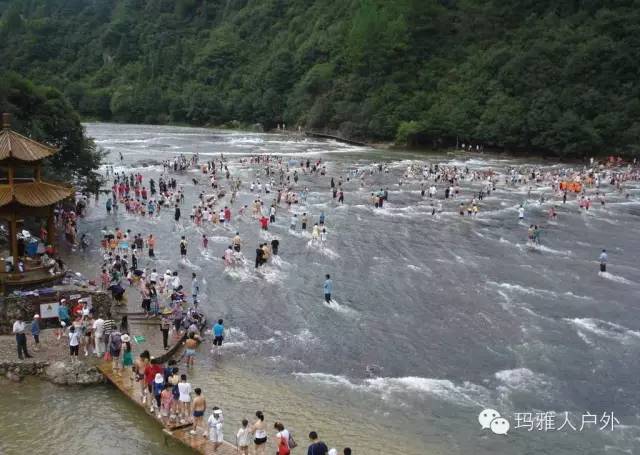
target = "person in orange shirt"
x: 151, y: 243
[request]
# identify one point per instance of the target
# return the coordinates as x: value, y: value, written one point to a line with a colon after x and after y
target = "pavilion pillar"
x: 51, y: 227
x: 13, y: 235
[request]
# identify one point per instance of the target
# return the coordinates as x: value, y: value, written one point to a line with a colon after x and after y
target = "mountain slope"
x: 557, y: 77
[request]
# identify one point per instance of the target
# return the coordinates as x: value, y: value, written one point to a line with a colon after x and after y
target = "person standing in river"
x: 151, y: 244
x: 190, y: 349
x: 328, y: 288
x: 183, y: 248
x: 218, y: 336
x: 603, y: 261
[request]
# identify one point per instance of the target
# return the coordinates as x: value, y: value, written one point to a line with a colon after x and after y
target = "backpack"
x: 292, y: 442
x: 116, y: 341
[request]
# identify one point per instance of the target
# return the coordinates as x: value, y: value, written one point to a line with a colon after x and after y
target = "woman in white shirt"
x: 184, y: 391
x: 74, y: 342
x: 260, y: 434
x: 243, y: 438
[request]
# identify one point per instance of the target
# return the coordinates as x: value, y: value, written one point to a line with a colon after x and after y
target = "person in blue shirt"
x: 218, y: 335
x: 603, y: 261
x: 316, y: 447
x: 328, y: 288
x: 63, y: 311
x: 63, y: 316
x: 35, y: 330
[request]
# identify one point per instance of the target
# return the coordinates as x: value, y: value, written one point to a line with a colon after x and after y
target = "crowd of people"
x: 274, y: 187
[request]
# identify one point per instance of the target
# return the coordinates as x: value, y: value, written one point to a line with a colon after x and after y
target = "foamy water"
x: 455, y: 312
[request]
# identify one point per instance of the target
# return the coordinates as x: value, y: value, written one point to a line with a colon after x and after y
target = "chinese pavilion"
x: 23, y: 193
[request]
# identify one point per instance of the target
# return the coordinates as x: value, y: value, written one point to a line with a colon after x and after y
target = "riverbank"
x: 50, y: 361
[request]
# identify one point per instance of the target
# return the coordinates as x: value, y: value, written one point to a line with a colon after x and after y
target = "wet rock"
x: 73, y: 373
x: 13, y: 376
x: 147, y: 163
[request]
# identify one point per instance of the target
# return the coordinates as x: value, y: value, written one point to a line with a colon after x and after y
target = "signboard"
x: 49, y: 310
x: 75, y: 296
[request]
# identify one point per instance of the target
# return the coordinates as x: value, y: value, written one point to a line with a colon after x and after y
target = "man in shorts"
x: 199, y: 406
x: 218, y: 335
x: 190, y: 349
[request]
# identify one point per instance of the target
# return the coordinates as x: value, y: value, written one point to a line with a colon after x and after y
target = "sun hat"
x: 125, y: 338
x: 36, y: 316
x: 159, y: 379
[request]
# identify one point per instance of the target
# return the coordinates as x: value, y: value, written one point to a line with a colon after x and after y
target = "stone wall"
x: 13, y: 305
x: 63, y: 373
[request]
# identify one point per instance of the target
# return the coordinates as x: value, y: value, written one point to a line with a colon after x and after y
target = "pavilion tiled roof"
x: 15, y: 145
x: 34, y: 194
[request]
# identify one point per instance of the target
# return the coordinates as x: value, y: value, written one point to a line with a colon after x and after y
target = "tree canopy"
x: 544, y: 76
x: 44, y: 114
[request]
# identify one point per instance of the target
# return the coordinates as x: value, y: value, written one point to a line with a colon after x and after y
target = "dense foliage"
x: 555, y: 76
x: 44, y: 114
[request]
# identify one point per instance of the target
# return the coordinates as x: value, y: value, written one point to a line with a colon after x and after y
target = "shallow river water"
x: 434, y: 318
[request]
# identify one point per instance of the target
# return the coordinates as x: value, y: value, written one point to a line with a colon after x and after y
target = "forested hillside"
x: 558, y: 76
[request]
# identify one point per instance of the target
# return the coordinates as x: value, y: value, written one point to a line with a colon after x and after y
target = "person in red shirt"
x: 77, y: 309
x: 149, y: 376
x: 227, y: 215
x: 264, y: 222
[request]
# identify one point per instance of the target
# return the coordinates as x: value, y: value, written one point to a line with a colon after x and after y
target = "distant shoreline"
x: 390, y: 146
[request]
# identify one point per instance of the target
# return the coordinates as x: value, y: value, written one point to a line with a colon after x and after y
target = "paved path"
x: 150, y: 329
x: 133, y: 391
x: 51, y: 349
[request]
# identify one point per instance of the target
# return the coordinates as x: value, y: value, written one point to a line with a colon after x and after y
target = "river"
x: 435, y: 317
